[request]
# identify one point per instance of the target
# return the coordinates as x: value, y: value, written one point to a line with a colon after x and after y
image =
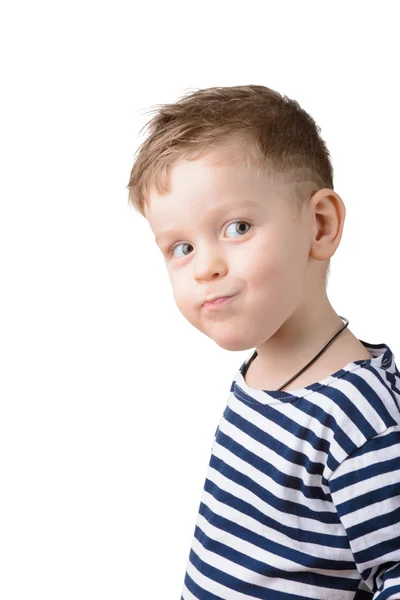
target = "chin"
x: 234, y: 345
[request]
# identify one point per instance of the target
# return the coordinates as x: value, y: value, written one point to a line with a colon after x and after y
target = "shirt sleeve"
x: 365, y: 489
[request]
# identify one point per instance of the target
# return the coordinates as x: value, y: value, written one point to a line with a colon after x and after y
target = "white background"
x: 109, y: 398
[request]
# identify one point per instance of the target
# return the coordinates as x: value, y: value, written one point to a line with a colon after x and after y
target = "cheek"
x: 264, y: 270
x: 183, y: 299
x: 271, y: 276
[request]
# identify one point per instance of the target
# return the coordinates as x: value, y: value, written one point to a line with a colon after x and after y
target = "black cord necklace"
x: 308, y: 364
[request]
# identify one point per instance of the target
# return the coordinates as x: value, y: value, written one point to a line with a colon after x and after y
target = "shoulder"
x: 365, y: 404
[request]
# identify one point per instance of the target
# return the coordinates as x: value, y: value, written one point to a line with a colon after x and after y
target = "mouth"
x: 218, y: 302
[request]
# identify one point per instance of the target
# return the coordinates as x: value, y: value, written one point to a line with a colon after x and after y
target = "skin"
x: 274, y: 265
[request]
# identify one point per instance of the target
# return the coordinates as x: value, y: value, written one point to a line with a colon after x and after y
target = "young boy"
x: 302, y: 494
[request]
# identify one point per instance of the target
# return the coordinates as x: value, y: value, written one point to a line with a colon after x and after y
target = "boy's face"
x: 258, y: 253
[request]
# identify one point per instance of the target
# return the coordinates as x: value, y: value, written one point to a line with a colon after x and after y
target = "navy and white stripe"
x: 302, y: 493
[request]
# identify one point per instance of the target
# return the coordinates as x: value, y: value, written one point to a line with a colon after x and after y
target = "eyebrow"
x: 224, y: 207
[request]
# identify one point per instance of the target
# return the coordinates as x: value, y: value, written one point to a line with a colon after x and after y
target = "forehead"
x: 201, y: 189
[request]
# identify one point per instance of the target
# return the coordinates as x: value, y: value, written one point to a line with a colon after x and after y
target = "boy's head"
x: 237, y: 188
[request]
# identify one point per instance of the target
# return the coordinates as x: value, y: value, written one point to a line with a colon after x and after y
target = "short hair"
x: 275, y: 135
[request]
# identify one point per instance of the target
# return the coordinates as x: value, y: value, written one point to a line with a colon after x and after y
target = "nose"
x: 210, y: 262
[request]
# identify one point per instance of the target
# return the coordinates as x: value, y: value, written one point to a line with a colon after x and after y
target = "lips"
x: 214, y: 298
x: 219, y: 301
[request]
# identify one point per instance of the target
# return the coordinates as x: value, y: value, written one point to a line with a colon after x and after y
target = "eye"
x: 241, y: 223
x: 172, y: 250
x: 177, y: 246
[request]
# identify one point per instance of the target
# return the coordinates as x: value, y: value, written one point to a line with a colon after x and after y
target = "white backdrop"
x: 106, y: 418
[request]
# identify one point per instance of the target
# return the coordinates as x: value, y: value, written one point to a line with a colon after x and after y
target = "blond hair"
x: 274, y: 133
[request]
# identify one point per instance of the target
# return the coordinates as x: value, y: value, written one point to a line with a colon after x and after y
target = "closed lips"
x: 216, y: 298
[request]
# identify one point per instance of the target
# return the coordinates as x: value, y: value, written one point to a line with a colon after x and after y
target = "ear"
x: 328, y: 214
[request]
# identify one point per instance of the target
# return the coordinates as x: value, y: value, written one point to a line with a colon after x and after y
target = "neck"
x: 299, y: 340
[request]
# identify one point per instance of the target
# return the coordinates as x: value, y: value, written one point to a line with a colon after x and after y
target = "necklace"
x: 309, y: 363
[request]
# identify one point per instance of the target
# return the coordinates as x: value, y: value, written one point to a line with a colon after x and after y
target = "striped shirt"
x: 302, y: 492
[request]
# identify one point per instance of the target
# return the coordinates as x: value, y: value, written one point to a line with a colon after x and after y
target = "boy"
x: 302, y: 494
